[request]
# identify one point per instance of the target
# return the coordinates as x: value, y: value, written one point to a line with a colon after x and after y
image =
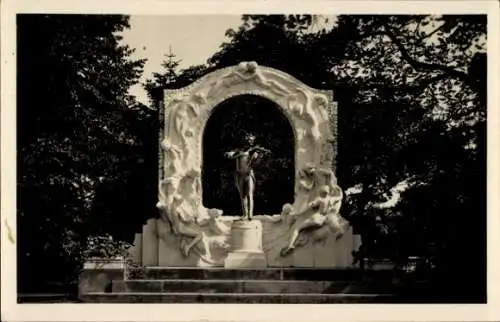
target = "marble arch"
x: 189, y: 235
x: 311, y: 112
x: 262, y: 110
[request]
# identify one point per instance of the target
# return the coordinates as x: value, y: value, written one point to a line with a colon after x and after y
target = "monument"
x: 244, y: 176
x: 246, y: 237
x: 308, y: 233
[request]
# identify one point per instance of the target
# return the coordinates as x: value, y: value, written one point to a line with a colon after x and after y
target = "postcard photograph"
x: 250, y: 158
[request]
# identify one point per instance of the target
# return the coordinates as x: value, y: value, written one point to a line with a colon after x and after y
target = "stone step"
x: 186, y: 297
x: 219, y: 273
x: 250, y: 286
x: 47, y: 298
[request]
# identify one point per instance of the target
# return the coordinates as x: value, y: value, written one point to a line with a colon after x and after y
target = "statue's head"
x: 214, y: 213
x: 309, y: 168
x: 193, y: 174
x: 248, y: 67
x: 336, y: 191
x: 324, y: 191
x: 294, y: 102
x: 192, y: 180
x: 171, y: 185
x: 287, y: 209
x: 321, y: 100
x: 252, y: 66
x: 248, y: 139
x: 177, y: 199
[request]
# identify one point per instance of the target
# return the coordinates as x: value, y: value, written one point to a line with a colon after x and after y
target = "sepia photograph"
x: 249, y: 158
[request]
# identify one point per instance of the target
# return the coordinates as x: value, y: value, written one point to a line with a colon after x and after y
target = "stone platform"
x: 269, y: 285
x: 157, y: 246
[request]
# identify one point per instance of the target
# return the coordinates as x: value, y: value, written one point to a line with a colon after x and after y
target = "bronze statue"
x: 244, y: 174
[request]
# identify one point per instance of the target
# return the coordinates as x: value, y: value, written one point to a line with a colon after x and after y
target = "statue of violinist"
x: 244, y: 174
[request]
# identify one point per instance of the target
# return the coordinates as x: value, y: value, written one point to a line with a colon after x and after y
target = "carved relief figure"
x: 214, y: 223
x: 188, y: 220
x: 322, y: 103
x: 195, y: 102
x: 180, y: 129
x: 305, y: 110
x: 181, y: 123
x: 244, y: 174
x: 191, y: 186
x: 173, y: 156
x: 325, y: 176
x: 328, y: 154
x: 286, y: 215
x: 192, y: 102
x: 313, y: 217
x: 307, y: 177
x: 185, y: 225
x: 167, y: 190
x: 191, y: 190
x: 311, y: 177
x: 247, y: 71
x: 334, y: 220
x: 321, y: 214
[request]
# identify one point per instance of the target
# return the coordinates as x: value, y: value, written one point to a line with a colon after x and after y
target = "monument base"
x: 246, y: 244
x: 159, y: 246
x: 245, y: 260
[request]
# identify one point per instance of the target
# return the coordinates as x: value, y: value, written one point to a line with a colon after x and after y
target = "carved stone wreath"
x: 311, y: 112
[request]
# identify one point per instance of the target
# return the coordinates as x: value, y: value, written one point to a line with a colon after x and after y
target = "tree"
x: 277, y: 41
x: 73, y: 138
x: 160, y: 81
x: 431, y: 70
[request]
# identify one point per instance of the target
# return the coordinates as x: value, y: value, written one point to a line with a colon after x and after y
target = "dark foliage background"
x: 274, y: 173
x: 411, y: 93
x: 83, y: 144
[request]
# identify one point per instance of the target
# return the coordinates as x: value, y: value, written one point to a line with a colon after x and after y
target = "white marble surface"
x: 329, y: 253
x: 188, y: 234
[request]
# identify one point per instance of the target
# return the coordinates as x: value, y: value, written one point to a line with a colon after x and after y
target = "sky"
x: 193, y: 39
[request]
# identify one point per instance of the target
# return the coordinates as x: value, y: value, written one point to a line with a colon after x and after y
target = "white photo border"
x: 11, y: 311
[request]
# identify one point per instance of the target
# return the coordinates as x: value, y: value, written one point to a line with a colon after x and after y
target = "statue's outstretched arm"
x: 168, y: 146
x: 202, y: 220
x: 259, y: 148
x: 184, y: 217
x: 254, y: 152
x: 315, y: 203
x: 306, y: 185
x: 325, y: 171
x: 232, y: 154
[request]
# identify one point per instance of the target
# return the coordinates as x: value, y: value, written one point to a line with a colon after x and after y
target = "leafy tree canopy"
x: 81, y: 136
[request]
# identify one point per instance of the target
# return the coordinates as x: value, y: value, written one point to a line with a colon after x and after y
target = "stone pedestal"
x: 246, y: 246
